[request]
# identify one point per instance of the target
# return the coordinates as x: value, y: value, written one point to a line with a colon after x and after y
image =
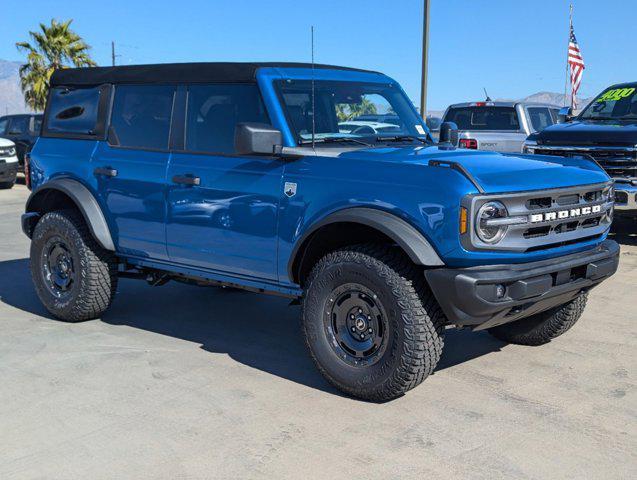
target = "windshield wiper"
x: 400, y: 138
x: 599, y: 118
x: 336, y: 140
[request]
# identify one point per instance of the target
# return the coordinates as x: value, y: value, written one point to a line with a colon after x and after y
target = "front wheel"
x: 73, y: 276
x: 371, y: 324
x: 542, y: 327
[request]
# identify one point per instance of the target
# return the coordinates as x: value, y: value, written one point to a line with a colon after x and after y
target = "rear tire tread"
x: 98, y: 268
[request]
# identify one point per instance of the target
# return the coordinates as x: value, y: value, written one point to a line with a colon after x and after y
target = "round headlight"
x: 487, y: 229
x: 11, y: 151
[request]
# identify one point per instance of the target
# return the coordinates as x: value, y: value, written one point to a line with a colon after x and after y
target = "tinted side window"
x: 19, y: 125
x: 141, y: 116
x: 4, y: 123
x: 37, y: 125
x: 540, y: 118
x: 72, y: 110
x: 215, y: 110
x: 484, y: 118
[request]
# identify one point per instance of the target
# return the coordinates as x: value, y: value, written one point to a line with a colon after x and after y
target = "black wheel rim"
x: 356, y: 324
x: 58, y: 269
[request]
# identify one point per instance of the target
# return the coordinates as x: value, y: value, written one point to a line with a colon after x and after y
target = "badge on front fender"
x: 290, y: 189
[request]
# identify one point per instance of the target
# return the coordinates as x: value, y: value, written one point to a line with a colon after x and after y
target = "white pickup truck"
x: 499, y: 126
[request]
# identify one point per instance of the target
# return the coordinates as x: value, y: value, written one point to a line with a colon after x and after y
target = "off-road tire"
x: 92, y: 293
x: 7, y: 185
x: 415, y: 333
x: 542, y: 327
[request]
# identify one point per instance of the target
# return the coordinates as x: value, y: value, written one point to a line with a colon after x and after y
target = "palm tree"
x: 348, y: 111
x: 53, y: 46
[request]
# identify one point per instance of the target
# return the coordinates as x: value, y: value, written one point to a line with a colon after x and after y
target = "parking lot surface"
x: 188, y: 382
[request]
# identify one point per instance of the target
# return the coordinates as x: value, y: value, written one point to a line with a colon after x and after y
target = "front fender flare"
x: 405, y: 235
x: 84, y: 200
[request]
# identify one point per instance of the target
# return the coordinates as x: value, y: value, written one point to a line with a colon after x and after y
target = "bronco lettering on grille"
x: 562, y: 214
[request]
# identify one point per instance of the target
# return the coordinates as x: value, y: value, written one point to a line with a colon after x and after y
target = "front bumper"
x: 468, y: 296
x: 625, y: 198
x: 8, y: 171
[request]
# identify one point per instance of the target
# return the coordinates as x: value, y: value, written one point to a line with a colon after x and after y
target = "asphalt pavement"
x: 182, y: 382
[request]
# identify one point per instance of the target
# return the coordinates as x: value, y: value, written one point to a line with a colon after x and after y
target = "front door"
x: 222, y: 208
x: 130, y: 169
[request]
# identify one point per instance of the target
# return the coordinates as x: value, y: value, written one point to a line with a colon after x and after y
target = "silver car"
x: 499, y: 126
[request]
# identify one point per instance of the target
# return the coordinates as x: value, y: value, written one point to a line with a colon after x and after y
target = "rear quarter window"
x: 484, y: 118
x: 73, y: 110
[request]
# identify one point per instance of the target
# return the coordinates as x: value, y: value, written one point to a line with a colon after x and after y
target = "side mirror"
x: 256, y: 139
x: 564, y: 115
x: 449, y: 134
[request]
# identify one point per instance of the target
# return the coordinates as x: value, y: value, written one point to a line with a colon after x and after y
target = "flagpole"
x: 570, y: 29
x: 567, y: 45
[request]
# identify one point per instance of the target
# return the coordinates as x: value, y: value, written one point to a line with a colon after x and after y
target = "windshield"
x: 613, y: 104
x: 350, y: 112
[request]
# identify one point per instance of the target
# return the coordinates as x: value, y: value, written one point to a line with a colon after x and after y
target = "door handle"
x: 187, y: 179
x: 105, y: 171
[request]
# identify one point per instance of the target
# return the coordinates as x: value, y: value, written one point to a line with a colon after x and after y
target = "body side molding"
x: 405, y: 235
x: 85, y: 201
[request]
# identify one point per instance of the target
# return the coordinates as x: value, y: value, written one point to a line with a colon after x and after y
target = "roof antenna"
x: 488, y: 99
x: 313, y: 92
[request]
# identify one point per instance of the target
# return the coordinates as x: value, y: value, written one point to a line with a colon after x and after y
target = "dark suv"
x: 22, y: 130
x: 239, y: 175
x: 606, y: 131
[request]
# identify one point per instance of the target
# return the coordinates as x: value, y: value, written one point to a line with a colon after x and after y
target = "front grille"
x: 619, y: 162
x: 545, y: 219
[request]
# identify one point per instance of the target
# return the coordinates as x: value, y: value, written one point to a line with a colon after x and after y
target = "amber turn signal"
x: 463, y: 220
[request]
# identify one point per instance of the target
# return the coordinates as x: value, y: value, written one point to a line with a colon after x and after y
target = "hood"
x: 586, y: 132
x: 496, y: 172
x: 4, y: 142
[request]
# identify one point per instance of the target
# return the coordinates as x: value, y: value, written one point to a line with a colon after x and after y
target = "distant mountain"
x: 554, y: 98
x: 11, y: 99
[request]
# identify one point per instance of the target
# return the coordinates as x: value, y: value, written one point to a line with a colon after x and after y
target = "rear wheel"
x: 542, y: 327
x: 73, y: 276
x: 372, y: 326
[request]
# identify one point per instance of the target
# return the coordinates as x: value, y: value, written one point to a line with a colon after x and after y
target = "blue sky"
x: 513, y: 48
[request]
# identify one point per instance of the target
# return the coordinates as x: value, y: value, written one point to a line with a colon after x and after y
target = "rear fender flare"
x: 84, y: 200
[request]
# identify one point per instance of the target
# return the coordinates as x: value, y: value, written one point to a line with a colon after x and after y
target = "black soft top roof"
x: 217, y: 72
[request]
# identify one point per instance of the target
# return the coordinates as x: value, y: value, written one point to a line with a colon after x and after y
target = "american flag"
x: 576, y: 65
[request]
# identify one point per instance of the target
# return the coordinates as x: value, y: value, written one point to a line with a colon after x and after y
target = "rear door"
x: 222, y: 207
x: 130, y: 168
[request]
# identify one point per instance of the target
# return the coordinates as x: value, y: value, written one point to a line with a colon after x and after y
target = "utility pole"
x: 113, y: 53
x: 425, y: 55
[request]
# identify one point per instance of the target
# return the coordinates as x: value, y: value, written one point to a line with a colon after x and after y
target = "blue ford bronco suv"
x: 238, y: 175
